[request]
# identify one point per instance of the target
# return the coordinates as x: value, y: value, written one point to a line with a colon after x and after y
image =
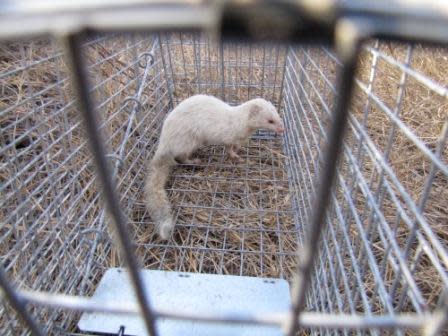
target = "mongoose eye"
x: 270, y: 121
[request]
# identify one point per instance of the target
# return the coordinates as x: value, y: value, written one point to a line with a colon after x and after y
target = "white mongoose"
x: 200, y: 121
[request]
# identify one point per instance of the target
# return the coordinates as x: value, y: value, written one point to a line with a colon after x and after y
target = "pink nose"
x: 280, y: 130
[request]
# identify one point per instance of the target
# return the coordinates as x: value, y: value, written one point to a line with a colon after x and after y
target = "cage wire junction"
x: 381, y: 261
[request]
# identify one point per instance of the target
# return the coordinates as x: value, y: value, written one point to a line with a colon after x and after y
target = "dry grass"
x: 424, y: 112
x: 232, y: 219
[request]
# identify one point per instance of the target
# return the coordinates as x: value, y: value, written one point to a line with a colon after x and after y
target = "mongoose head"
x: 263, y: 115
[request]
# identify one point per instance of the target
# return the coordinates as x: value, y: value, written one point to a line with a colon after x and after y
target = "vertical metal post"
x: 282, y: 85
x: 18, y: 304
x: 436, y: 325
x: 79, y: 78
x: 221, y: 57
x: 168, y: 84
x: 349, y: 51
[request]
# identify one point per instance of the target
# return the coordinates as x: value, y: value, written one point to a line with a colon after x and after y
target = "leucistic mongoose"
x: 200, y: 121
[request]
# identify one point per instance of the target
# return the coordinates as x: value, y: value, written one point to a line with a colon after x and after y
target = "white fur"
x: 199, y: 121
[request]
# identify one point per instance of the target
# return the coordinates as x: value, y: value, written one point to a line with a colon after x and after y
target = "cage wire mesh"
x: 383, y: 248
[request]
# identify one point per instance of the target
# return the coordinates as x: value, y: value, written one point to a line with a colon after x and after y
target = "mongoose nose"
x: 280, y: 130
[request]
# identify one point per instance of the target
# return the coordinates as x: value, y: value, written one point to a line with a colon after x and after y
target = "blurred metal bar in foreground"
x: 260, y: 20
x: 307, y: 319
x: 27, y: 18
x: 79, y: 78
x: 18, y: 303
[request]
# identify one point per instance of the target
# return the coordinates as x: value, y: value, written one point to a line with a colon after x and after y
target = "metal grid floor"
x: 231, y: 218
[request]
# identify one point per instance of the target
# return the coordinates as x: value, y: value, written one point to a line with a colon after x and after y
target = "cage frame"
x: 351, y: 25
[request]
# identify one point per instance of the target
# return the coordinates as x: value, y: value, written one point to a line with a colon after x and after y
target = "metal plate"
x: 189, y: 292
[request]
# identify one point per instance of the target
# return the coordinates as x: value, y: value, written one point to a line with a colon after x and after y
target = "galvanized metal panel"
x: 190, y: 292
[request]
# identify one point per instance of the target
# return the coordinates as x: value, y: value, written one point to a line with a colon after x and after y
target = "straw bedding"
x: 232, y: 218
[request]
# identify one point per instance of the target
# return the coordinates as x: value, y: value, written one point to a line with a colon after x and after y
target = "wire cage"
x: 381, y: 263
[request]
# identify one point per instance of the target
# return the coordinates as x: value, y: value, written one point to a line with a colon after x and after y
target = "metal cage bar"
x: 86, y: 106
x: 318, y: 222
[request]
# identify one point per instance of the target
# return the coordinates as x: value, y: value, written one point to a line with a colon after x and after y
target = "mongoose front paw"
x: 236, y: 158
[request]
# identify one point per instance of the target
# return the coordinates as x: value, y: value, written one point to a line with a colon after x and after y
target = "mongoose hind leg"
x: 195, y: 161
x: 186, y: 159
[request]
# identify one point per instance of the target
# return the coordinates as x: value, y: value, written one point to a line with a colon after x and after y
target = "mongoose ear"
x: 254, y: 110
